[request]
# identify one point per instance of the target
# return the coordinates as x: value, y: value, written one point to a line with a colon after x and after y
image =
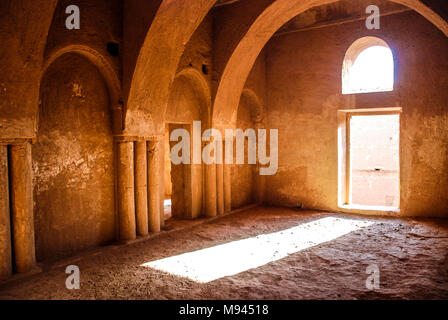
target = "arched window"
x: 368, y: 67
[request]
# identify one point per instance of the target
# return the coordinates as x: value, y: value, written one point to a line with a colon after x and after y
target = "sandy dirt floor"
x: 283, y: 254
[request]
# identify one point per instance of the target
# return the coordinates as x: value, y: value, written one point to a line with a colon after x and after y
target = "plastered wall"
x: 73, y: 162
x: 243, y: 174
x: 73, y: 157
x: 304, y: 94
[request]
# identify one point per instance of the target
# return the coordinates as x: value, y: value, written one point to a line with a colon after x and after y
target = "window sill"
x: 372, y: 209
x: 366, y: 91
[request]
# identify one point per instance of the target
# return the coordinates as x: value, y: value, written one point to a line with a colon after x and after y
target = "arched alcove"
x: 73, y: 160
x: 189, y: 101
x: 368, y: 67
x: 104, y: 66
x: 189, y: 98
x: 245, y: 179
x: 94, y: 57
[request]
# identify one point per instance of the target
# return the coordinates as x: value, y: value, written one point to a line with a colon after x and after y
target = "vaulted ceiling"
x: 346, y: 10
x: 339, y: 12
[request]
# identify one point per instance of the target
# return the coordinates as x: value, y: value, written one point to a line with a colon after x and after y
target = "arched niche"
x: 190, y: 98
x: 245, y: 181
x: 105, y: 68
x: 189, y: 102
x: 73, y: 159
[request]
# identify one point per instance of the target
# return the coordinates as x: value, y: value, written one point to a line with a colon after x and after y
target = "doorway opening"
x: 183, y: 182
x: 372, y: 160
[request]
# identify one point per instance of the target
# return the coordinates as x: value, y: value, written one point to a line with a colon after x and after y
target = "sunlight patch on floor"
x: 231, y: 258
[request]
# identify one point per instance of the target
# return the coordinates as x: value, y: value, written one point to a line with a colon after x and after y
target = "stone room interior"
x: 223, y: 149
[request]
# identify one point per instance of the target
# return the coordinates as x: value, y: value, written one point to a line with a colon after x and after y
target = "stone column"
x: 196, y: 190
x: 220, y: 175
x: 260, y: 182
x: 126, y: 193
x: 227, y: 172
x: 5, y: 223
x: 161, y: 169
x: 154, y: 176
x: 22, y: 207
x: 220, y: 188
x: 227, y: 188
x: 117, y: 118
x: 210, y: 190
x: 141, y: 188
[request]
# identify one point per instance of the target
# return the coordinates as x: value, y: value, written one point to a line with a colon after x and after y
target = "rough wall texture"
x: 73, y: 160
x: 157, y: 64
x: 100, y: 24
x: 243, y: 174
x: 230, y: 25
x: 23, y: 30
x: 184, y: 104
x: 198, y: 51
x: 73, y: 156
x: 231, y: 22
x: 180, y: 176
x: 186, y: 180
x: 256, y: 84
x: 5, y: 219
x: 337, y: 12
x: 190, y: 101
x: 304, y: 81
x: 137, y: 18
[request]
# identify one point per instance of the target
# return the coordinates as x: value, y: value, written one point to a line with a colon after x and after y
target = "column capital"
x: 125, y: 138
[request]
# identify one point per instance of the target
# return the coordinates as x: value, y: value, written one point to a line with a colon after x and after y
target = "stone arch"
x: 157, y: 63
x: 244, y: 56
x: 196, y: 83
x: 104, y: 67
x: 257, y: 107
x: 98, y: 60
x: 21, y: 84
